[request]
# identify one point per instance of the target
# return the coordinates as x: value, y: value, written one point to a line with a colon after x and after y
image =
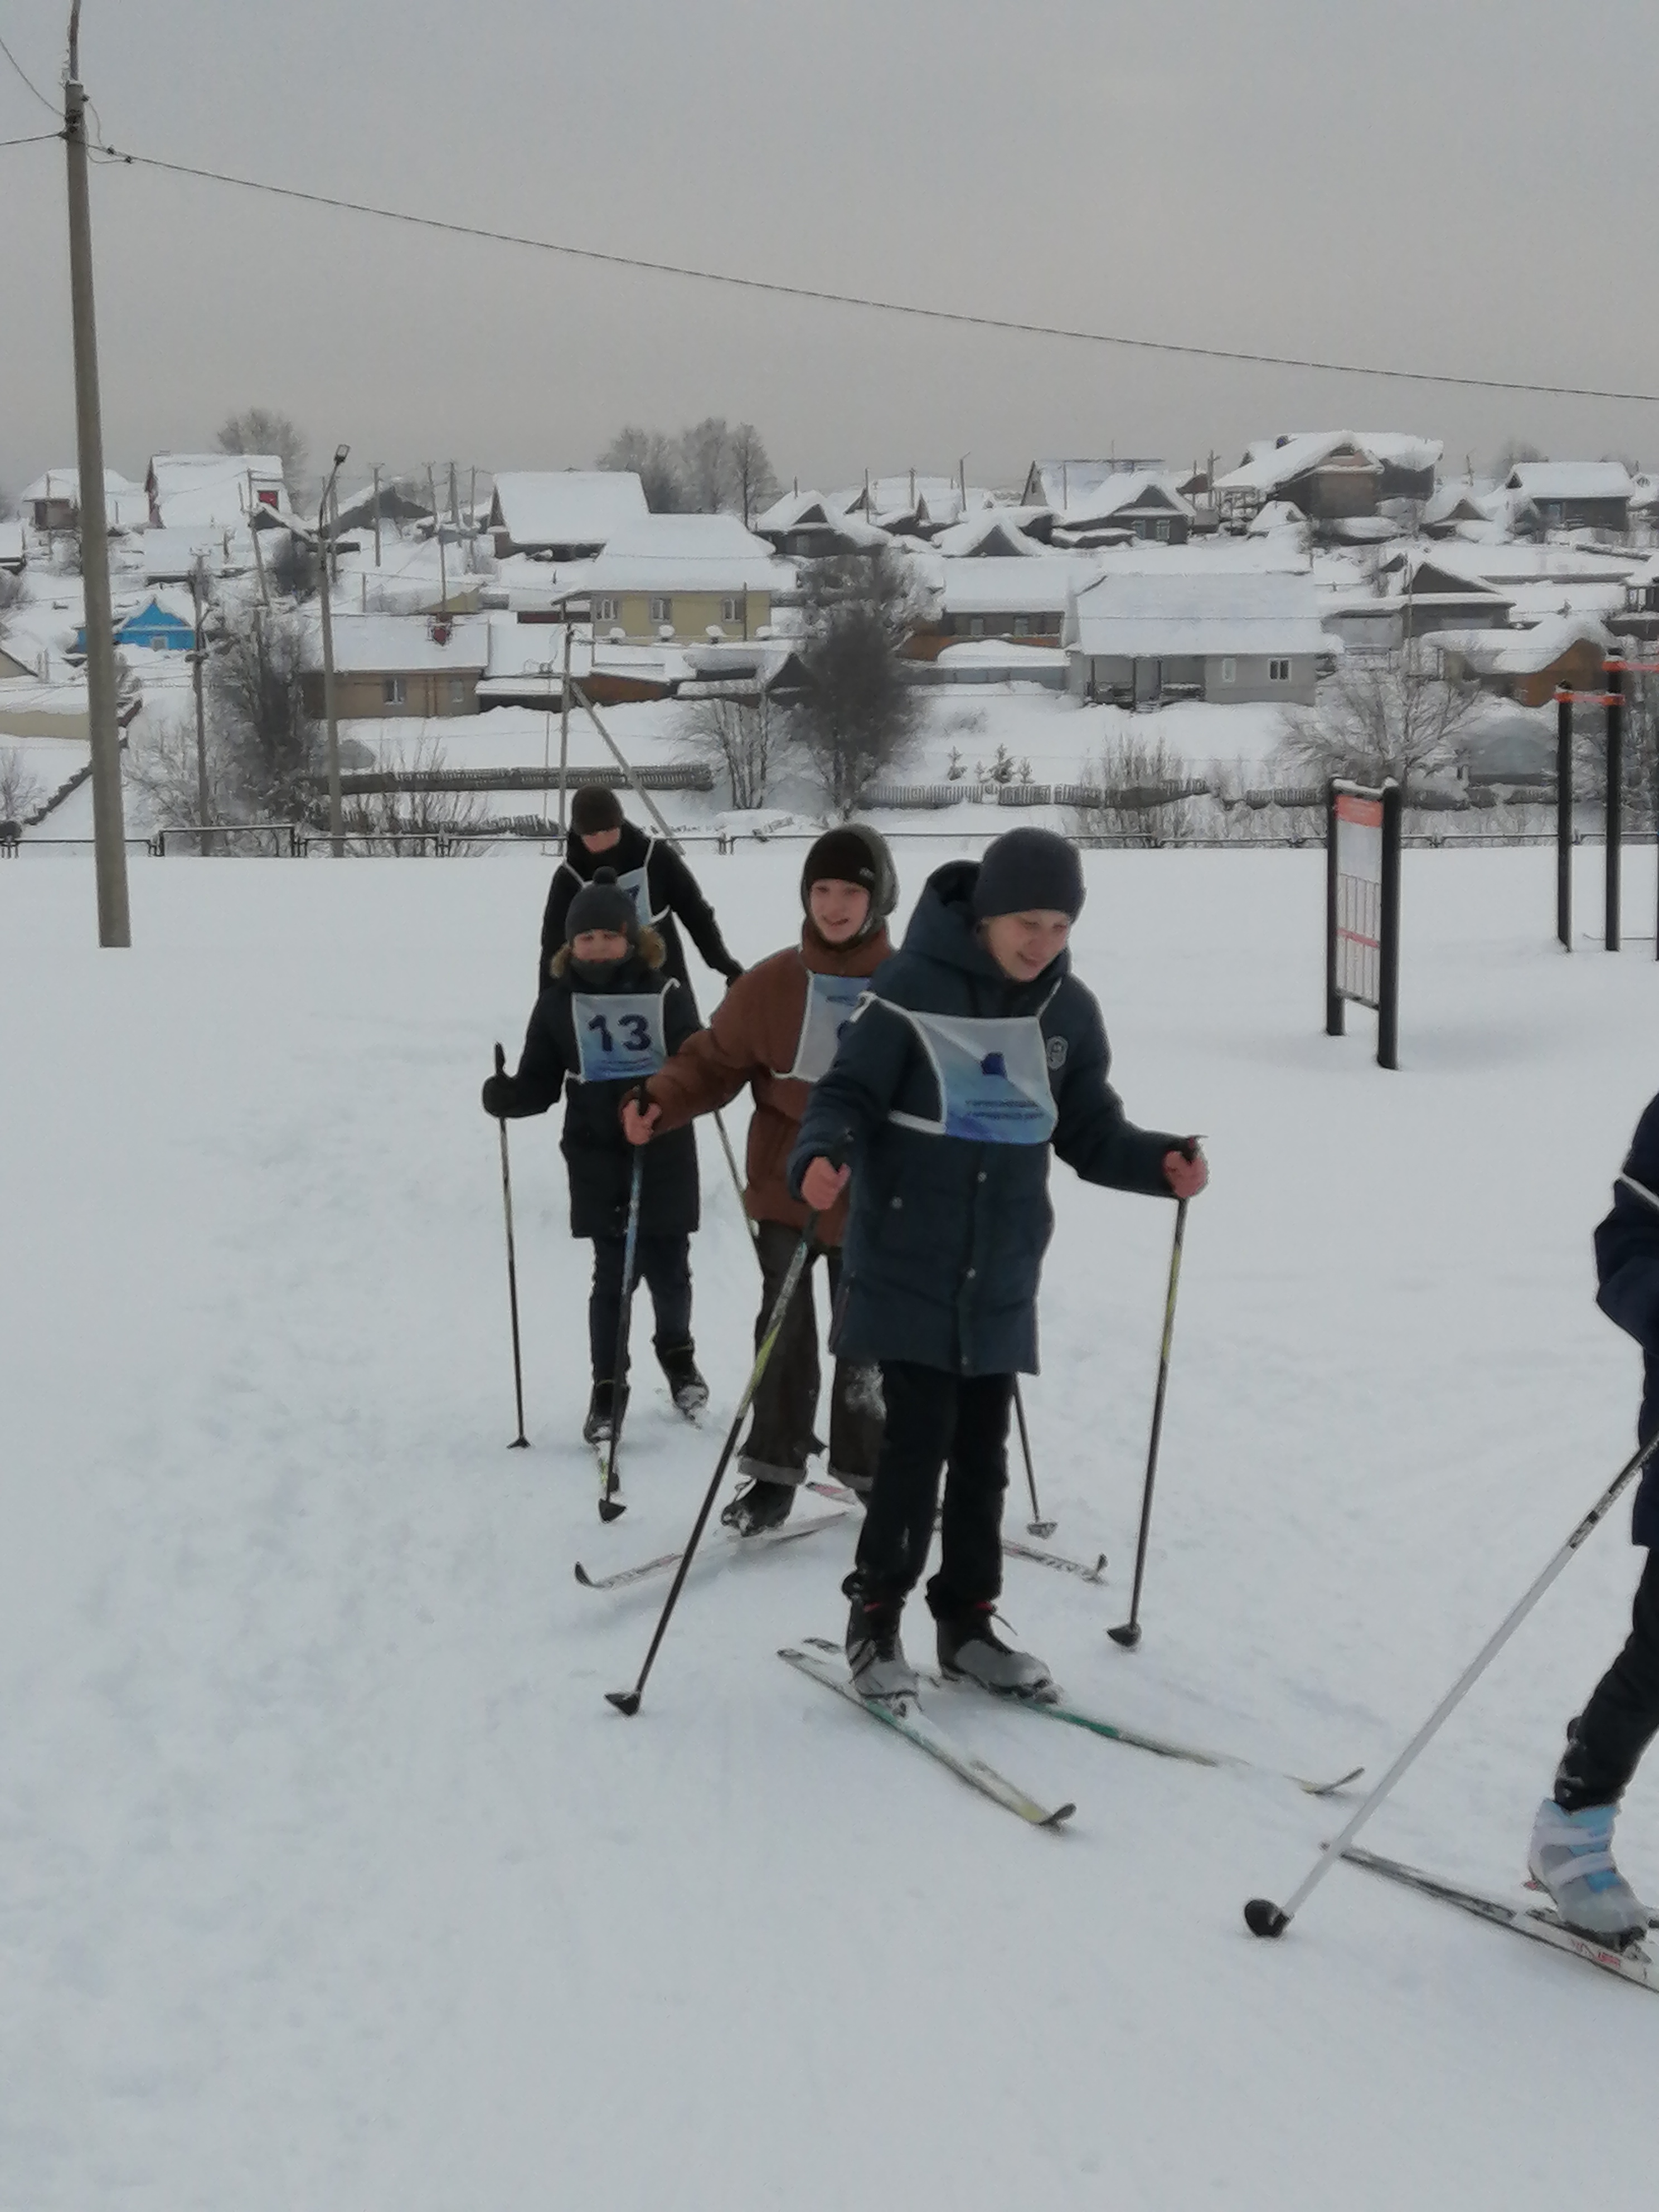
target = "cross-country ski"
x: 906, y: 1717
x: 727, y: 1549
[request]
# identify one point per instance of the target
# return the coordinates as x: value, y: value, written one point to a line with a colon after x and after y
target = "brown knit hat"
x: 593, y: 808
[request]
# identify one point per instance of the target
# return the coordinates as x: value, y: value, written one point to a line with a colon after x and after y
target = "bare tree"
x: 1511, y: 453
x: 20, y: 791
x: 1392, y: 715
x: 395, y: 823
x: 859, y: 714
x: 272, y: 748
x: 1139, y: 788
x: 162, y: 768
x: 11, y: 591
x: 262, y: 430
x: 706, y: 469
x: 757, y: 486
x: 1640, y: 752
x: 656, y: 462
x: 744, y: 737
x: 292, y: 564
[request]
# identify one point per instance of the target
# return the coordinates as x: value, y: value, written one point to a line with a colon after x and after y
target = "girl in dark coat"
x: 1571, y: 1849
x: 661, y: 884
x: 595, y: 1053
x: 975, y: 1052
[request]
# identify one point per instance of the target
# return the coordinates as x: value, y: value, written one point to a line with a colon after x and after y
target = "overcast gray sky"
x: 1461, y: 185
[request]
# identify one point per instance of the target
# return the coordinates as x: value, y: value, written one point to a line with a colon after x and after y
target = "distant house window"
x: 976, y: 626
x: 604, y: 610
x: 662, y: 610
x: 1022, y: 625
x: 458, y: 691
x: 731, y: 610
x: 1279, y: 672
x: 1163, y: 532
x: 1229, y: 671
x: 267, y: 499
x: 394, y: 692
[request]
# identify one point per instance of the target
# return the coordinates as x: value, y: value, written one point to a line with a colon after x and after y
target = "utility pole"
x: 564, y: 721
x: 336, y: 833
x: 438, y: 527
x: 108, y: 824
x: 379, y: 466
x: 204, y: 843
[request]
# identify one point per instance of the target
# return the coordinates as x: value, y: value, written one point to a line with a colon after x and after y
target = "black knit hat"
x: 1026, y: 870
x: 853, y: 853
x: 602, y: 904
x: 593, y: 809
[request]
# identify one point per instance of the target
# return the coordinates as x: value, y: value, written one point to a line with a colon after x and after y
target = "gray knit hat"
x: 603, y: 904
x: 1026, y: 870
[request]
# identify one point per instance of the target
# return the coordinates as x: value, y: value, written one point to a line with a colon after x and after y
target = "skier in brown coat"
x: 776, y: 1030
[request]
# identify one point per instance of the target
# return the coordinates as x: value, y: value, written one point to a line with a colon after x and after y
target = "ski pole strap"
x: 1640, y: 1189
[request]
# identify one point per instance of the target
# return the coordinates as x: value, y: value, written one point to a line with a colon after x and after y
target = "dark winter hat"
x: 602, y: 904
x: 853, y: 853
x: 1026, y: 869
x: 593, y: 808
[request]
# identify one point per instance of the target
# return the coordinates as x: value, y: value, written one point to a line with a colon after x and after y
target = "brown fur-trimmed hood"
x: 648, y: 947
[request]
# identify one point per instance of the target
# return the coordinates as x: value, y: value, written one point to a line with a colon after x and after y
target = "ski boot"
x: 679, y: 1364
x: 875, y: 1657
x: 1571, y: 1858
x: 601, y: 1410
x: 968, y: 1645
x: 763, y: 1505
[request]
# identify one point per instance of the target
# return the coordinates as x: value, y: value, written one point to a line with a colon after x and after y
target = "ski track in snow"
x: 326, y: 1875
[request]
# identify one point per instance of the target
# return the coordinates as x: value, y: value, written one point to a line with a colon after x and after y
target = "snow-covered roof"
x: 11, y: 541
x: 568, y: 506
x: 66, y: 484
x: 1268, y: 463
x: 367, y: 644
x: 1013, y: 586
x: 1523, y: 652
x: 1570, y: 479
x: 1143, y: 489
x: 1527, y: 564
x: 935, y: 501
x: 1071, y: 483
x: 170, y: 554
x: 1394, y: 449
x: 992, y: 535
x: 189, y: 488
x: 684, y: 553
x: 1140, y: 617
x: 806, y: 510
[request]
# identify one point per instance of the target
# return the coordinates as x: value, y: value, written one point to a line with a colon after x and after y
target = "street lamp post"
x: 325, y: 546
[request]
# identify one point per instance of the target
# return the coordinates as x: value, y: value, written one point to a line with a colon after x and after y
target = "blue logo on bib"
x: 993, y: 1064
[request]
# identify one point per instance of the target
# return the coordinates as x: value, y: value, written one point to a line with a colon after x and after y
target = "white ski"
x: 732, y: 1546
x: 906, y: 1717
x: 1011, y: 1545
x: 1539, y: 1924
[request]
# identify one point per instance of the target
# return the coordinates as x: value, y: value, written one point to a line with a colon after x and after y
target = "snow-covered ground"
x: 328, y: 1878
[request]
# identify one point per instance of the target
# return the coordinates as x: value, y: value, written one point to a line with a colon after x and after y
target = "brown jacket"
x: 752, y: 1039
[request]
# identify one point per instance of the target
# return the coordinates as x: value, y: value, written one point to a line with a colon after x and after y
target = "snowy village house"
x: 396, y: 666
x: 563, y: 514
x: 1238, y: 637
x: 681, y: 578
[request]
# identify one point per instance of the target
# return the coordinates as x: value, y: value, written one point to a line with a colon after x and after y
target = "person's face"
x: 600, y: 840
x: 839, y: 910
x: 1022, y: 944
x: 595, y: 947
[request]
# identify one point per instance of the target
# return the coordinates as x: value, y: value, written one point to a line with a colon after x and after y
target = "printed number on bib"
x: 619, y: 1037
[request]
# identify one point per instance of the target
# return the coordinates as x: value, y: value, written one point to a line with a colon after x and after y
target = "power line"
x: 49, y: 106
x: 961, y: 317
x: 40, y: 138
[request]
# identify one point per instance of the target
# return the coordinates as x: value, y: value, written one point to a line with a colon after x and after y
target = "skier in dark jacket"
x: 1571, y: 1849
x: 595, y: 1051
x: 645, y: 864
x: 976, y: 1051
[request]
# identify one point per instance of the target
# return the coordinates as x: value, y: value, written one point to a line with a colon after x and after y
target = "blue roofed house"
x: 153, y: 626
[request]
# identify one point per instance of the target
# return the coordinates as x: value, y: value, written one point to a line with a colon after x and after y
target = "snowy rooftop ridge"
x: 1141, y: 616
x: 1571, y: 479
x: 567, y: 506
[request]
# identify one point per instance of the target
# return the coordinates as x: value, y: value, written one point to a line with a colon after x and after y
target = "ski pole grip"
x: 501, y: 1061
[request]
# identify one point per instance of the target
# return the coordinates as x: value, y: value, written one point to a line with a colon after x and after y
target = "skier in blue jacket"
x: 1571, y: 1849
x: 975, y: 1052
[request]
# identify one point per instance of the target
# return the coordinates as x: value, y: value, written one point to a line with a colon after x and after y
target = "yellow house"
x: 679, y: 577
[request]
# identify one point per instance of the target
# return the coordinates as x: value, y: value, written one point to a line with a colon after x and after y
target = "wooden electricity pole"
x: 109, y: 822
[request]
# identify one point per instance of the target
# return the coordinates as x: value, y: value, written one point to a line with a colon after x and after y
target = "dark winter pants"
x: 1607, y: 1741
x: 781, y: 1436
x: 664, y: 1263
x: 939, y: 1421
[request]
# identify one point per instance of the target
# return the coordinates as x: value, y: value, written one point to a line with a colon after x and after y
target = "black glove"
x: 734, y: 971
x: 500, y: 1098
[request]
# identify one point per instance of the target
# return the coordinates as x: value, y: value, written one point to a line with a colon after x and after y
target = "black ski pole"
x: 1129, y: 1634
x: 749, y: 1221
x: 1261, y: 1916
x: 521, y: 1443
x: 610, y: 1506
x: 628, y: 1701
x: 1036, y: 1525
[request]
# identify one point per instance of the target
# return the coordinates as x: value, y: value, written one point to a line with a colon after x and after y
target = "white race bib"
x: 831, y: 1002
x: 993, y: 1078
x: 619, y: 1036
x: 637, y: 884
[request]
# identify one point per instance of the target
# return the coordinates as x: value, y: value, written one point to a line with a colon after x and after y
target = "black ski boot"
x: 679, y: 1363
x: 596, y: 1429
x: 763, y: 1505
x: 968, y: 1644
x: 875, y: 1656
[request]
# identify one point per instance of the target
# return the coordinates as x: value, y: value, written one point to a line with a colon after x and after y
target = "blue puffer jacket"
x: 1627, y: 1269
x: 945, y: 1248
